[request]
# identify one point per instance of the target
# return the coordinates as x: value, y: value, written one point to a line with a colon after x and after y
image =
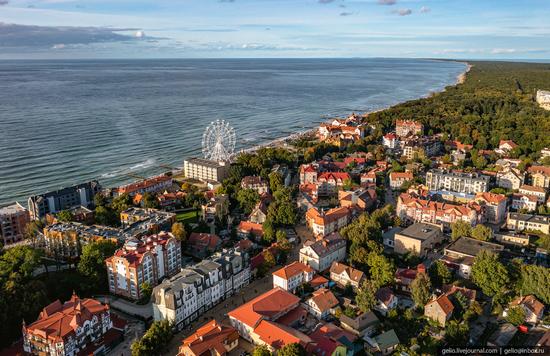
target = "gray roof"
x: 539, y: 219
x: 421, y: 231
x: 387, y: 339
x: 471, y: 247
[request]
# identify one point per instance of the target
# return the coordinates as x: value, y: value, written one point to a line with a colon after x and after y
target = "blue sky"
x: 492, y: 29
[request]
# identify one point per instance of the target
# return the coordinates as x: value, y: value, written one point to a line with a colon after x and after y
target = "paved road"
x: 145, y: 311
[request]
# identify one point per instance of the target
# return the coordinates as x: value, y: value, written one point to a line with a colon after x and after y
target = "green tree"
x: 105, y: 216
x: 516, y: 315
x: 178, y: 230
x: 65, y: 216
x: 366, y: 296
x: 121, y: 203
x: 146, y: 291
x: 535, y: 280
x: 482, y: 233
x: 456, y: 334
x: 489, y: 274
x: 420, y: 289
x: 381, y: 269
x: 154, y: 339
x: 261, y: 350
x: 247, y: 198
x: 439, y: 274
x: 459, y: 229
x: 282, y: 241
x: 92, y: 261
x: 275, y: 181
x: 150, y: 201
x: 293, y: 349
x: 269, y: 259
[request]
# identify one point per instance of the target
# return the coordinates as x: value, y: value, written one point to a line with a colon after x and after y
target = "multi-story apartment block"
x: 63, y: 199
x: 540, y: 176
x: 255, y: 183
x: 139, y: 221
x: 149, y: 185
x: 494, y: 206
x: 390, y: 141
x: 187, y: 295
x: 398, y: 178
x: 521, y: 222
x: 538, y: 192
x: 308, y: 173
x: 467, y: 183
x: 206, y: 170
x: 404, y: 128
x: 328, y: 183
x: 320, y: 254
x: 292, y: 276
x: 420, y: 146
x: 66, y: 239
x: 13, y: 222
x: 415, y: 209
x: 324, y: 223
x: 69, y: 328
x: 510, y: 178
x: 524, y: 202
x: 138, y: 262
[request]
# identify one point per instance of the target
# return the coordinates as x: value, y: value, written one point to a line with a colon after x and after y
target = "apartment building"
x: 320, y: 254
x: 255, y: 183
x: 66, y: 239
x: 140, y: 221
x: 494, y: 206
x: 460, y: 182
x: 510, y: 178
x: 537, y: 192
x: 13, y: 222
x: 292, y: 276
x: 184, y: 297
x: 521, y: 222
x: 524, y: 202
x: 390, y: 140
x: 420, y: 147
x: 205, y: 170
x: 138, y: 262
x: 63, y: 199
x: 404, y: 128
x: 328, y: 183
x: 323, y: 223
x: 418, y: 239
x: 540, y: 176
x: 397, y: 179
x: 149, y: 185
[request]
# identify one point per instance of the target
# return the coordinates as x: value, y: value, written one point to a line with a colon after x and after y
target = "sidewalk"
x: 144, y: 311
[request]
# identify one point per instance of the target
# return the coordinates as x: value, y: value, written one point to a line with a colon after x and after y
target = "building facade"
x: 14, y: 219
x: 494, y: 206
x: 205, y: 170
x: 292, y: 276
x: 468, y: 183
x: 405, y: 128
x: 320, y: 254
x: 418, y: 239
x: 521, y: 222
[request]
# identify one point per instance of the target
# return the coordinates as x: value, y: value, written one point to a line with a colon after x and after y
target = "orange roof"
x: 401, y: 175
x: 58, y: 321
x: 333, y: 176
x: 133, y: 254
x: 491, y: 198
x: 530, y: 302
x: 250, y: 227
x: 324, y: 299
x: 210, y: 337
x: 133, y: 187
x: 532, y: 188
x: 292, y: 270
x: 354, y: 274
x: 539, y: 169
x: 508, y: 142
x: 202, y: 239
x: 444, y: 304
x: 318, y: 280
x: 326, y: 218
x: 438, y: 208
x: 265, y: 306
x: 277, y: 335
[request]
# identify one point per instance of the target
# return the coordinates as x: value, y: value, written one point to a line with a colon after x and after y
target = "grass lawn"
x: 188, y: 217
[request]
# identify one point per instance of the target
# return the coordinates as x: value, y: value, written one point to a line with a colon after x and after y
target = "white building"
x: 292, y: 276
x: 510, y: 178
x: 320, y: 254
x: 468, y: 183
x: 206, y: 170
x: 538, y: 192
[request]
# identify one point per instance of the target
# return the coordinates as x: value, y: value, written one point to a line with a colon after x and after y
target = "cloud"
x: 346, y: 13
x: 387, y: 2
x: 226, y: 0
x: 402, y: 12
x: 503, y: 50
x: 14, y: 35
x: 425, y: 9
x: 4, y: 2
x: 58, y: 46
x: 325, y: 1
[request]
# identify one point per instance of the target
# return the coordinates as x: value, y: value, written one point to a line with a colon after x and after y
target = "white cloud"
x: 387, y: 2
x: 402, y: 12
x: 58, y: 46
x: 425, y: 9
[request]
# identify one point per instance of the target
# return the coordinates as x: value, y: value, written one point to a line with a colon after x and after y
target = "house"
x: 216, y: 207
x: 248, y: 228
x: 405, y: 276
x: 439, y: 309
x: 520, y: 222
x: 323, y: 223
x: 259, y: 213
x: 368, y: 178
x: 405, y: 128
x: 211, y: 338
x: 460, y: 254
x: 495, y: 206
x: 534, y: 309
x: 363, y: 199
x: 78, y: 326
x: 524, y: 202
x: 255, y: 183
x: 328, y: 183
x: 344, y: 275
x: 386, y: 300
x: 538, y: 192
x: 322, y: 303
x: 390, y: 141
x: 320, y: 254
x: 386, y: 342
x: 450, y: 290
x: 510, y: 178
x: 292, y: 276
x: 363, y: 324
x: 330, y: 340
x: 200, y: 244
x: 505, y: 147
x: 398, y: 178
x: 540, y: 176
x: 419, y: 239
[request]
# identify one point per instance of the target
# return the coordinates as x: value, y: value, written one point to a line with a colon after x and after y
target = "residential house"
x: 510, y: 178
x: 460, y: 254
x: 201, y: 244
x: 385, y: 343
x: 505, y: 147
x: 418, y: 239
x: 538, y: 192
x: 324, y: 223
x: 386, y: 300
x: 259, y: 213
x: 363, y: 199
x: 404, y: 128
x: 328, y: 183
x: 292, y: 276
x: 494, y: 206
x: 320, y: 254
x: 533, y: 308
x: 211, y: 338
x: 540, y: 176
x: 521, y: 222
x: 439, y: 309
x: 364, y: 323
x: 398, y: 178
x: 322, y: 303
x: 524, y: 202
x: 248, y: 228
x: 330, y: 340
x: 405, y: 276
x: 390, y: 141
x: 255, y: 183
x: 344, y: 275
x: 215, y: 208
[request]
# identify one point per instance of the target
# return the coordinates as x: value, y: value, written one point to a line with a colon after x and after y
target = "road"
x: 144, y: 311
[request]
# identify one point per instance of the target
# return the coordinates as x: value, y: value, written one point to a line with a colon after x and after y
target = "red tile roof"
x: 250, y: 227
x: 210, y: 339
x: 325, y: 218
x: 491, y: 198
x: 134, y: 254
x: 444, y: 304
x: 204, y: 240
x: 292, y: 270
x: 539, y: 169
x: 277, y: 335
x: 530, y: 302
x: 324, y: 299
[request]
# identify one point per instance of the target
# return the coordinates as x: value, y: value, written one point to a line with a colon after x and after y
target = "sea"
x: 63, y: 122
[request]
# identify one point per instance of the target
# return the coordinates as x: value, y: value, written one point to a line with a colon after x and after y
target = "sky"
x: 469, y: 29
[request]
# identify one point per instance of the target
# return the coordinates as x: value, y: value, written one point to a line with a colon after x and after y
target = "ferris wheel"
x: 218, y: 141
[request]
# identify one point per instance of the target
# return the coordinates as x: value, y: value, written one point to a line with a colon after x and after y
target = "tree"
x: 382, y: 270
x: 92, y: 260
x: 261, y: 350
x: 282, y: 241
x: 156, y: 338
x: 456, y: 334
x: 535, y: 280
x: 293, y: 349
x: 366, y: 296
x: 178, y: 230
x: 439, y: 274
x: 146, y: 291
x: 247, y: 198
x: 459, y: 229
x: 420, y: 289
x: 269, y: 260
x: 482, y: 233
x: 121, y: 203
x: 489, y: 274
x: 516, y: 315
x: 275, y: 181
x: 150, y: 201
x: 65, y: 216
